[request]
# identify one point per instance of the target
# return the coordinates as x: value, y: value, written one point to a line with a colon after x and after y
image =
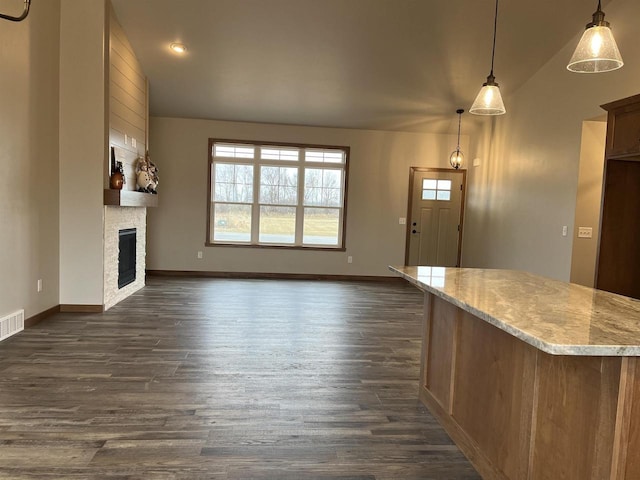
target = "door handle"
x: 414, y: 231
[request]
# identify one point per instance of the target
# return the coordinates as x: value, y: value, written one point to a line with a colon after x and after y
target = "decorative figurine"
x: 147, y: 175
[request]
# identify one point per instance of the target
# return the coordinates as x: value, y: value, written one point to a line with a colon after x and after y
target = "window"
x: 433, y: 189
x: 264, y: 194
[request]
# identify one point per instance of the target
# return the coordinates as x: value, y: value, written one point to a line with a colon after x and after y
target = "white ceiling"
x: 373, y: 64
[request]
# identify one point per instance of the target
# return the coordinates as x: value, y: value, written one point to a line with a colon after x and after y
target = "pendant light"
x: 456, y: 157
x: 597, y: 50
x: 489, y: 101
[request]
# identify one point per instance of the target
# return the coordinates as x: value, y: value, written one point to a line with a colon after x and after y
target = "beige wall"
x: 83, y: 147
x: 588, y: 201
x: 377, y: 197
x: 525, y: 190
x: 29, y: 160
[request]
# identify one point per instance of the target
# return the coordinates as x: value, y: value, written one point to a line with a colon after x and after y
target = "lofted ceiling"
x: 373, y: 64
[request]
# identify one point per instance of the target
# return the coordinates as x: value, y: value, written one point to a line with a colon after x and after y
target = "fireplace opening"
x: 127, y: 257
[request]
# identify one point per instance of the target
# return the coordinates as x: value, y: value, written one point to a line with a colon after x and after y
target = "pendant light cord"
x: 459, y: 122
x: 495, y: 29
x: 25, y: 12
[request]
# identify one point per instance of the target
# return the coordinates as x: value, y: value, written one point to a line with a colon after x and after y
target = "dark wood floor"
x: 225, y: 379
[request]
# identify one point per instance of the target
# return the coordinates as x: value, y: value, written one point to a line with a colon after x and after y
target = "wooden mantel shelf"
x: 129, y: 198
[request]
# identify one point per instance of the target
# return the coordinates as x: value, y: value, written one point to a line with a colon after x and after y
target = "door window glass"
x: 433, y: 189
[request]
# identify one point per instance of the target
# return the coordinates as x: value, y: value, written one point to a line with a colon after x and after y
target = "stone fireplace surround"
x: 116, y: 219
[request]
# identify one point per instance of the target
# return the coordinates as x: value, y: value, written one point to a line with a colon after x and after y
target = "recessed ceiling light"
x: 178, y: 47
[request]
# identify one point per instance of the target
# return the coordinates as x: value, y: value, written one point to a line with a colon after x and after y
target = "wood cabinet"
x: 618, y: 260
x: 623, y: 127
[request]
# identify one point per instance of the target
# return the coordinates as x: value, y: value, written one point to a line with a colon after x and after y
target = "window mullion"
x: 300, y: 205
x: 255, y: 208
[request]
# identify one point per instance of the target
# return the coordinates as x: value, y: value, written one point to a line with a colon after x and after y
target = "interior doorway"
x: 435, y: 216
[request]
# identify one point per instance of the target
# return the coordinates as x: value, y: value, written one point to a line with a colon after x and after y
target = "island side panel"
x: 439, y: 353
x: 575, y: 417
x: 441, y: 341
x: 494, y: 390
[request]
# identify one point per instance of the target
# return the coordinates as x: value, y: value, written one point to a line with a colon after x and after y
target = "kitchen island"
x: 533, y: 378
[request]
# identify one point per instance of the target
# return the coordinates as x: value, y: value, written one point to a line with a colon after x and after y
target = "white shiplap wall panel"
x: 123, y: 109
x: 126, y: 77
x: 134, y: 98
x: 119, y: 127
x: 128, y: 102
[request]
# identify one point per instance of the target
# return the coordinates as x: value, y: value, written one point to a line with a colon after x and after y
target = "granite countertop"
x: 556, y: 317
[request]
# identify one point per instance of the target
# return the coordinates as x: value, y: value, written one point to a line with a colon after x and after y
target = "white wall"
x: 525, y: 189
x: 83, y: 147
x: 29, y: 160
x: 377, y: 197
x: 588, y: 201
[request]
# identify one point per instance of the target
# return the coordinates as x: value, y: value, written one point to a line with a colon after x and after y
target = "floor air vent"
x: 11, y: 324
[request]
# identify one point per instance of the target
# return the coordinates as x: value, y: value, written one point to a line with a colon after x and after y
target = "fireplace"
x: 118, y: 220
x: 126, y: 257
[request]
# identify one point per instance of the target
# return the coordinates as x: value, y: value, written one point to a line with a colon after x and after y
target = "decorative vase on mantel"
x: 117, y: 180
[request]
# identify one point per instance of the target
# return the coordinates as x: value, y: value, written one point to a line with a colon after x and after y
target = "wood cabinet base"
x: 519, y: 413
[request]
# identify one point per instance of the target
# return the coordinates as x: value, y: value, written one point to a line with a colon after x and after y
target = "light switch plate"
x: 402, y: 221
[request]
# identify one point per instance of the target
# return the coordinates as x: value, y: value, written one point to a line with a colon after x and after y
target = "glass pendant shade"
x: 489, y: 100
x: 597, y: 52
x: 456, y: 158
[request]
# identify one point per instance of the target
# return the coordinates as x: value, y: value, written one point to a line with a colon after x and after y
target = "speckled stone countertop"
x: 556, y: 317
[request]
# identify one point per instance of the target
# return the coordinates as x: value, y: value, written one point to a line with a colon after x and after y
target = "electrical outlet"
x: 349, y: 259
x: 565, y: 230
x: 199, y: 254
x: 39, y: 285
x: 585, y: 232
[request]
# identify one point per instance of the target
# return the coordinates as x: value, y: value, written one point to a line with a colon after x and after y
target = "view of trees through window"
x: 268, y: 195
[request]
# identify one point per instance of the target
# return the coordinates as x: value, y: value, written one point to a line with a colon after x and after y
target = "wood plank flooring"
x: 226, y: 379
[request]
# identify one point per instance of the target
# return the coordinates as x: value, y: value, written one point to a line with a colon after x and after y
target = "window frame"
x: 299, y: 206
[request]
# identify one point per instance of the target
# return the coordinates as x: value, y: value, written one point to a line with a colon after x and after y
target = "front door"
x: 435, y: 217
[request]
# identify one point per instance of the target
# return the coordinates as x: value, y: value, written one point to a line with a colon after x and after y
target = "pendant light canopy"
x: 457, y: 157
x: 597, y: 51
x: 489, y: 100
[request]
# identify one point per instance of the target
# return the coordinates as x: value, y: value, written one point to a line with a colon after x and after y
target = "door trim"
x: 412, y: 172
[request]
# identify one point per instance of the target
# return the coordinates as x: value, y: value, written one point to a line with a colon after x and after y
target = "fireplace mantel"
x: 129, y: 198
